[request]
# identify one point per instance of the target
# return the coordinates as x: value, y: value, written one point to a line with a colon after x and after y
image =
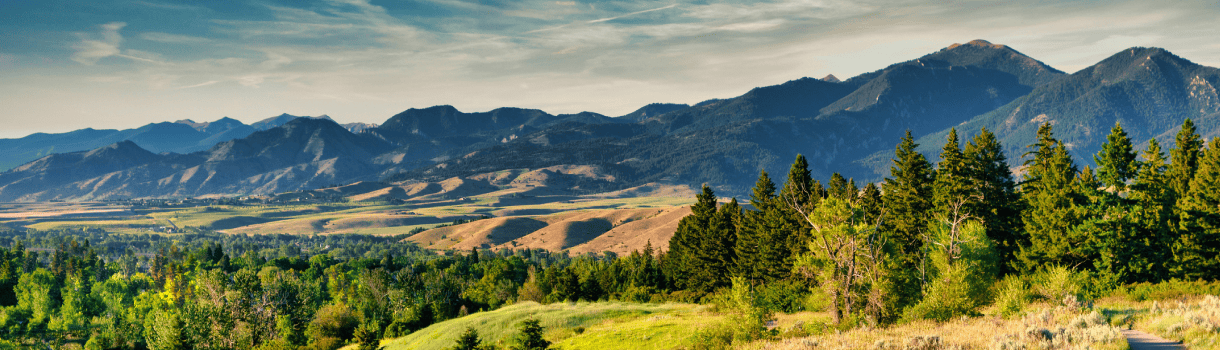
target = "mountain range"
x: 847, y: 126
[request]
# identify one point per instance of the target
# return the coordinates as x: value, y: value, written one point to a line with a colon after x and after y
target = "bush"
x: 785, y: 296
x: 962, y: 266
x: 1059, y: 284
x: 332, y: 321
x: 1172, y: 289
x: 1012, y: 294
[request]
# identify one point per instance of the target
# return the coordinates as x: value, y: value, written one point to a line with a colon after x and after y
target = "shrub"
x: 962, y: 266
x: 1012, y: 294
x: 1059, y: 284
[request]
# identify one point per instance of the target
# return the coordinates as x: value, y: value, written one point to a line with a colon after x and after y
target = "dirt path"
x: 1144, y: 341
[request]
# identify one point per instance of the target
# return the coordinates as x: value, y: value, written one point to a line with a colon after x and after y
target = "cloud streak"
x: 362, y: 61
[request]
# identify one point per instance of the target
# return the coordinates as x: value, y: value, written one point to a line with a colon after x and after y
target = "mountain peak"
x: 831, y: 78
x: 980, y: 43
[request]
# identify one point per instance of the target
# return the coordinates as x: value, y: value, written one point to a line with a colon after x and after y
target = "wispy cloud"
x: 632, y: 14
x: 93, y: 48
x: 173, y: 38
x: 206, y: 83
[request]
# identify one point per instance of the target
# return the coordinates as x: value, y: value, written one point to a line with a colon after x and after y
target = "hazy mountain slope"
x: 302, y: 154
x: 183, y: 136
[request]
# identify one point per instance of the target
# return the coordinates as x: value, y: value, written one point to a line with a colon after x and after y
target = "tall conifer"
x: 680, y: 261
x: 1116, y: 161
x: 908, y: 198
x: 952, y: 188
x: 1184, y: 159
x: 1050, y: 190
x: 790, y: 235
x: 1197, y: 248
x: 752, y: 228
x: 999, y: 204
x: 716, y: 256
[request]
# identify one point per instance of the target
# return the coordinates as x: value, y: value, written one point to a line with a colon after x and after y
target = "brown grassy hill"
x: 616, y: 230
x: 634, y: 235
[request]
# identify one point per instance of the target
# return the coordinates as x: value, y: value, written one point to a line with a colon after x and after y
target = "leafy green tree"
x: 1116, y: 161
x: 530, y: 337
x: 998, y: 205
x: 962, y: 269
x: 847, y: 256
x: 1197, y: 249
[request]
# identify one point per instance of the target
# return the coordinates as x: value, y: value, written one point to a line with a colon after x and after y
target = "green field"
x: 601, y: 325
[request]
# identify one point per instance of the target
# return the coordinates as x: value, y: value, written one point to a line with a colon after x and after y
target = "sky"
x: 116, y: 64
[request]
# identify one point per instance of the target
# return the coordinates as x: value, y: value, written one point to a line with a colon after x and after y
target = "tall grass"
x: 605, y: 325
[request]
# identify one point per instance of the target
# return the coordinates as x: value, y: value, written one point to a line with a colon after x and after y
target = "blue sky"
x: 67, y: 65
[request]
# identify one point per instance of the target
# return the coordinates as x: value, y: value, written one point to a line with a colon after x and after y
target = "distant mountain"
x: 848, y: 126
x: 652, y: 110
x: 301, y: 154
x: 725, y: 142
x: 183, y: 136
x: 1148, y: 90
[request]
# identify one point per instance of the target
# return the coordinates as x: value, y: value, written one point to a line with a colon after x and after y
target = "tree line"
x: 930, y: 240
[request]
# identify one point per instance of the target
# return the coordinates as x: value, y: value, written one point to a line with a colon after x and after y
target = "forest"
x: 932, y: 241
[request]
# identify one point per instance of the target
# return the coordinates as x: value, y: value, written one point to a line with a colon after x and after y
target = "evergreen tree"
x: 838, y: 187
x: 908, y: 193
x: 1116, y: 161
x: 1050, y: 191
x: 753, y: 228
x: 1184, y: 160
x: 530, y: 337
x: 999, y: 205
x: 789, y: 234
x: 952, y: 188
x: 716, y: 256
x: 469, y: 340
x: 907, y: 198
x: 1196, y: 252
x: 1152, y: 198
x: 681, y: 261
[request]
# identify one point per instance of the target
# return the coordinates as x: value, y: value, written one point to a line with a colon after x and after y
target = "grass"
x: 381, y: 218
x: 1040, y: 327
x: 582, y: 325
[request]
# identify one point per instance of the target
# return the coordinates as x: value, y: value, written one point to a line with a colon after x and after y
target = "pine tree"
x: 1050, y: 190
x: 999, y: 204
x: 530, y: 337
x: 1152, y: 197
x: 952, y: 190
x: 907, y: 198
x: 1197, y: 248
x: 716, y: 256
x: 753, y: 227
x: 789, y: 234
x: 908, y: 193
x: 469, y: 340
x: 838, y: 187
x: 1116, y: 161
x: 680, y: 260
x: 1184, y: 159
